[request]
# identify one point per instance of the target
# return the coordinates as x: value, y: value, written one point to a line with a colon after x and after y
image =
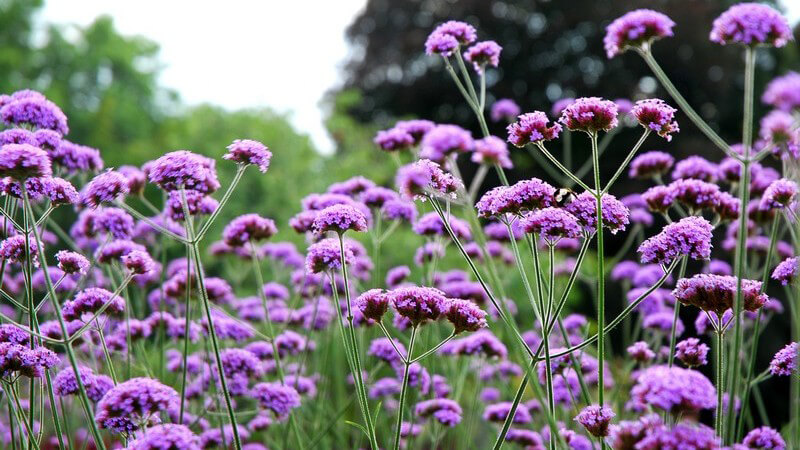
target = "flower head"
x: 672, y: 389
x: 184, y: 169
x: 504, y: 109
x: 23, y: 161
x: 76, y: 158
x: 787, y: 271
x: 33, y: 109
x: 446, y: 411
x: 595, y: 419
x: 247, y: 151
x: 690, y: 236
x: 751, y: 24
x: 168, y: 436
x: 641, y: 352
x: 552, y: 224
x: 419, y: 304
x: 651, y: 164
x: 716, y: 293
x: 491, y: 151
x: 22, y: 360
x: 465, y: 315
x: 276, y: 397
x: 325, y: 255
x: 96, y: 385
x: 655, y: 115
x: 445, y: 140
x: 695, y: 167
x: 783, y: 92
x: 525, y: 195
x: 584, y: 208
x: 373, y: 304
x: 393, y: 139
x: 635, y: 29
x: 692, y: 352
x: 445, y: 38
x: 779, y: 194
x: 785, y: 361
x: 482, y: 54
x: 532, y: 128
x: 340, y: 218
x: 129, y: 405
x: 139, y: 262
x: 248, y: 228
x: 106, y: 187
x: 91, y: 300
x: 426, y: 177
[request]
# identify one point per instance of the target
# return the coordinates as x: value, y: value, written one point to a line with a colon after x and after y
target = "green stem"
x: 563, y: 169
x: 187, y: 322
x: 720, y: 350
x: 434, y: 348
x: 404, y: 388
x: 673, y: 335
x: 601, y: 274
x: 741, y: 239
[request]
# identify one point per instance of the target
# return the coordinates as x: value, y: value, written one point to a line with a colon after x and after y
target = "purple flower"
x: 115, y: 250
x: 33, y: 109
x: 680, y: 436
x: 695, y: 167
x: 655, y: 115
x: 139, y: 262
x: 526, y: 438
x: 584, y: 208
x: 692, y: 352
x: 393, y: 139
x: 445, y: 38
x: 445, y: 140
x: 23, y: 161
x: 106, y: 187
x: 65, y: 383
x: 431, y: 225
x: 690, y: 236
x: 779, y: 194
x: 778, y: 127
x: 595, y: 419
x: 217, y: 437
x: 12, y: 249
x: 22, y: 360
x: 787, y: 271
x: 635, y: 29
x: 552, y: 224
x: 278, y: 398
x: 504, y: 109
x: 640, y: 352
x: 340, y: 218
x: 419, y: 304
x: 696, y: 194
x: 14, y: 334
x: 590, y: 114
x: 672, y: 389
x: 136, y: 178
x: 114, y: 221
x: 247, y: 151
x: 167, y: 436
x: 373, y: 304
x: 352, y: 187
x: 382, y: 349
x: 396, y: 276
x: 716, y: 293
x: 76, y: 158
x: 183, y: 169
x: 525, y: 195
x: 491, y: 151
x: 499, y: 411
x: 60, y: 192
x: 465, y: 316
x: 751, y: 24
x: 651, y: 164
x: 445, y: 411
x: 782, y: 92
x: 482, y: 54
x: 325, y: 255
x: 784, y: 363
x: 398, y: 209
x: 129, y: 405
x: 426, y: 177
x: 377, y: 196
x: 532, y: 128
x: 764, y: 438
x: 417, y: 128
x: 248, y: 228
x: 89, y: 301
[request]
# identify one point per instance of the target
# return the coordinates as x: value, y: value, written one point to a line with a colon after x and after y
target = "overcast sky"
x: 238, y: 53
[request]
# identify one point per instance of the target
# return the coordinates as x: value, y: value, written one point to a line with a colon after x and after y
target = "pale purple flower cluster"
x: 325, y: 255
x: 779, y: 128
x: 672, y: 389
x: 655, y: 115
x: 465, y: 315
x: 373, y: 304
x: 445, y: 411
x: 779, y: 194
x: 89, y: 301
x: 692, y: 352
x: 247, y: 151
x: 167, y: 437
x: 96, y: 385
x: 504, y: 109
x: 276, y: 397
x: 584, y: 208
x: 491, y: 151
x: 596, y: 419
x: 340, y: 218
x: 426, y: 177
x: 130, y: 405
x: 532, y: 128
x: 31, y: 108
x: 783, y: 92
x: 445, y: 140
x: 690, y: 236
x: 785, y: 362
x: 447, y: 37
x: 590, y: 114
x: 787, y: 271
x: 764, y: 437
x: 641, y: 352
x: 751, y: 24
x: 552, y: 224
x: 636, y: 29
x: 197, y: 203
x: 651, y: 164
x: 183, y: 169
x: 393, y: 139
x: 482, y: 54
x: 22, y: 360
x: 106, y: 187
x: 419, y: 304
x: 23, y: 161
x: 695, y: 167
x: 525, y: 195
x: 248, y: 228
x: 716, y: 293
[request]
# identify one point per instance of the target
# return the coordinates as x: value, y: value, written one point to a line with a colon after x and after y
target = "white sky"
x: 236, y: 53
